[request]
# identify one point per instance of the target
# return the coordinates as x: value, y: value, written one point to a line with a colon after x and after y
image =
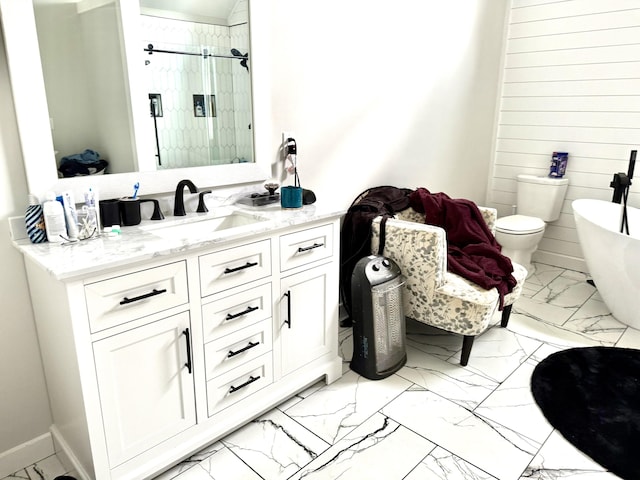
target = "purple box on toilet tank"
x: 558, y: 164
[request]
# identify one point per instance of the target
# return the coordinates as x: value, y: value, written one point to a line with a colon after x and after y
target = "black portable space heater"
x: 378, y: 318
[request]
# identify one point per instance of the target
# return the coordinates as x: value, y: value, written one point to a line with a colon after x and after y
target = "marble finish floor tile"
x: 336, y: 409
x: 275, y: 445
x: 629, y: 339
x: 433, y: 341
x: 541, y: 275
x: 442, y: 465
x: 569, y: 290
x: 190, y: 462
x: 513, y: 406
x: 224, y: 465
x: 544, y: 331
x: 458, y: 384
x: 345, y: 347
x: 462, y: 433
x: 300, y: 396
x: 379, y: 448
x: 558, y: 459
x: 45, y: 469
x: 497, y: 352
x: 594, y: 320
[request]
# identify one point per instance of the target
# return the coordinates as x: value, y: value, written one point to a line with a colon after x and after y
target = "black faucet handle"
x: 202, y: 208
x: 157, y: 213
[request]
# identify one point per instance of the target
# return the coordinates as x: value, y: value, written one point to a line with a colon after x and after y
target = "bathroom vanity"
x: 167, y: 337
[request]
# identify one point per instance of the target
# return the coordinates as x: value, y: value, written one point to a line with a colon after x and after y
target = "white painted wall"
x: 375, y: 95
x: 571, y: 82
x: 24, y: 408
x: 387, y: 95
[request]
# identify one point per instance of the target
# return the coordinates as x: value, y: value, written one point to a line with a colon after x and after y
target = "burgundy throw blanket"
x: 473, y: 252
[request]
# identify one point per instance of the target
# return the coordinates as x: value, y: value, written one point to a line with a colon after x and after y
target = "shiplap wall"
x: 571, y: 82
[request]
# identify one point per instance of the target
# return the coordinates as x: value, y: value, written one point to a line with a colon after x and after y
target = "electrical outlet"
x: 285, y: 135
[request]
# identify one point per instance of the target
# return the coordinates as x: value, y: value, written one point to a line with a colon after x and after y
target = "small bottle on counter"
x: 34, y: 221
x: 54, y: 219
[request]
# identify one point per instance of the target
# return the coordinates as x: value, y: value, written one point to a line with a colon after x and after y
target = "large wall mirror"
x: 145, y: 91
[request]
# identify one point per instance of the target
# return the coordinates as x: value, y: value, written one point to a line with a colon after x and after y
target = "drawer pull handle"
x: 288, y: 319
x: 231, y: 316
x: 306, y: 249
x: 153, y: 293
x: 244, y: 349
x: 248, y: 382
x: 186, y: 333
x: 236, y: 269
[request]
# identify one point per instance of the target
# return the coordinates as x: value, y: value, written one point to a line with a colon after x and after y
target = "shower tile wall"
x: 187, y: 140
x: 571, y: 82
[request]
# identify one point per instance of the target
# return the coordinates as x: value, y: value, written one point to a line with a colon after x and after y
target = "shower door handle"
x: 288, y: 319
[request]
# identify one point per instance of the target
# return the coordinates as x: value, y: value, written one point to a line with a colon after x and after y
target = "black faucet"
x: 178, y: 203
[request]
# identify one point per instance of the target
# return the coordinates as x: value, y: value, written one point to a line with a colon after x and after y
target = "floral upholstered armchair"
x: 432, y: 295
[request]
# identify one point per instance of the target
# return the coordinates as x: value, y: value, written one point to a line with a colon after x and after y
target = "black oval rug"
x: 591, y: 396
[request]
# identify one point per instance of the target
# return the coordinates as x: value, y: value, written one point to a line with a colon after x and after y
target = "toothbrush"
x: 135, y: 190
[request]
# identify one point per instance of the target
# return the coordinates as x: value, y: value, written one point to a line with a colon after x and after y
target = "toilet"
x: 539, y: 200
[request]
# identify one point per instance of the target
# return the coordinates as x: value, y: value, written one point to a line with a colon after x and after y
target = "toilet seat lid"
x: 519, y: 224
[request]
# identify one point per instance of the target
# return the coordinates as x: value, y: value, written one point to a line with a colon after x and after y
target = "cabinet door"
x: 308, y: 304
x: 146, y: 388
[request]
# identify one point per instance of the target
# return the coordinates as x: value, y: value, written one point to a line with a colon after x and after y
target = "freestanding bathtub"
x: 613, y: 258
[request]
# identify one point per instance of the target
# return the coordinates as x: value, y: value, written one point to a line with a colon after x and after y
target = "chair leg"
x: 506, y: 313
x: 467, y: 343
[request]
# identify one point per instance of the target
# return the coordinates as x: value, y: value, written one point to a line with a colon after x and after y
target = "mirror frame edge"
x: 27, y: 83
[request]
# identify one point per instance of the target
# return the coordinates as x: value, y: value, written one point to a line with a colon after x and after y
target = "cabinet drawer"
x: 304, y: 247
x: 226, y: 389
x: 127, y: 297
x: 235, y: 266
x: 236, y: 311
x: 233, y: 350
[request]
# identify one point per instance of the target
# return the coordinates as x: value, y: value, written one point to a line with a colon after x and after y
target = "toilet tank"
x: 541, y: 197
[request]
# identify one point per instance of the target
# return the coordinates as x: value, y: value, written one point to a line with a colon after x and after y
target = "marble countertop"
x: 154, y: 239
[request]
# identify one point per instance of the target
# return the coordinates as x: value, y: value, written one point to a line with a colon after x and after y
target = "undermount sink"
x: 197, y: 227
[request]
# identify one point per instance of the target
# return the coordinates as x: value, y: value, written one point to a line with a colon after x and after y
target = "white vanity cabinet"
x: 306, y: 302
x: 145, y: 378
x: 149, y: 362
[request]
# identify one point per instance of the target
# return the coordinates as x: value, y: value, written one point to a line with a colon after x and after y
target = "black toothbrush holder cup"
x: 110, y: 212
x: 130, y: 211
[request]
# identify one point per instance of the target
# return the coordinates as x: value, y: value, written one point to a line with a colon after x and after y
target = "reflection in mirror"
x: 86, y: 85
x: 25, y: 72
x: 197, y: 100
x: 198, y: 81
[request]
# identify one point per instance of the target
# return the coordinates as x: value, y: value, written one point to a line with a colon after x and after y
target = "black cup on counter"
x: 109, y: 212
x: 130, y: 211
